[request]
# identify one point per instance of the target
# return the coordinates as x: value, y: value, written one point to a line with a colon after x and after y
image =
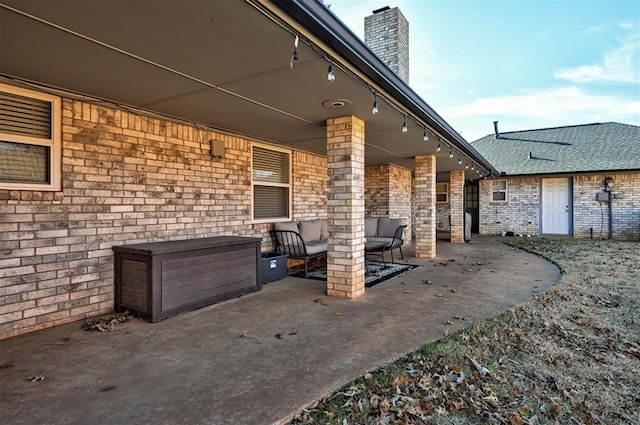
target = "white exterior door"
x: 555, y: 206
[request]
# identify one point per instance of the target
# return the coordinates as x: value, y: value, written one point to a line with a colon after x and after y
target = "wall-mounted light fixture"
x: 404, y: 125
x: 609, y: 184
x: 425, y: 136
x: 217, y: 149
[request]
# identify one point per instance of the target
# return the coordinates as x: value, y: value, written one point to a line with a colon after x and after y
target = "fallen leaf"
x: 279, y: 336
x: 37, y: 378
x: 108, y: 388
x: 293, y: 333
x: 453, y: 290
x: 456, y: 405
x: 481, y: 369
x: 106, y: 324
x: 556, y: 409
x: 516, y: 419
x: 338, y: 314
x: 408, y: 292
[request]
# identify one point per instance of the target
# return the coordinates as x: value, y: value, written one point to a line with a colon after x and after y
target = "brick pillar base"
x: 345, y: 207
x: 456, y: 202
x: 425, y: 203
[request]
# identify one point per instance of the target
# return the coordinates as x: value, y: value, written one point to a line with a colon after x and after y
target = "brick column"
x: 425, y: 203
x: 456, y: 204
x: 345, y: 207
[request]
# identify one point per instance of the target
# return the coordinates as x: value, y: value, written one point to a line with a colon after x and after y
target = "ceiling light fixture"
x: 374, y: 109
x: 450, y: 154
x: 459, y: 161
x: 473, y: 167
x: 294, y: 55
x: 331, y: 76
x: 439, y: 148
x: 404, y: 124
x: 425, y: 136
x: 466, y: 166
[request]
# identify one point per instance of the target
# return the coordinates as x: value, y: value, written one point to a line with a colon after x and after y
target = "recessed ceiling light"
x: 336, y: 103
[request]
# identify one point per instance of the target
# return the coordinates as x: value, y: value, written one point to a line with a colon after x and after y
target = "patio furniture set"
x: 306, y: 240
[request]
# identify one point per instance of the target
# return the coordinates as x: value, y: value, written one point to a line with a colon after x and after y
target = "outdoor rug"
x: 376, y: 272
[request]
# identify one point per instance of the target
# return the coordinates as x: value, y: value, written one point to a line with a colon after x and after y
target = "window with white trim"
x: 499, y: 192
x: 30, y: 147
x: 442, y: 193
x: 271, y: 183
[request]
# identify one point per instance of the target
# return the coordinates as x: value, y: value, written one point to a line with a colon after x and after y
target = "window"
x: 442, y: 192
x: 499, y: 191
x: 271, y: 176
x: 30, y: 149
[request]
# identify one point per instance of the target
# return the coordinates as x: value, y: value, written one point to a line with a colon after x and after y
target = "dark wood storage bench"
x: 161, y: 279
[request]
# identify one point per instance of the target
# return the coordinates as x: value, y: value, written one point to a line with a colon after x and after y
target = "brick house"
x: 136, y: 122
x: 581, y: 180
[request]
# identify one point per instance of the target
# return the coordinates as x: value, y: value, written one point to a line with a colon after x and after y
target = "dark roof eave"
x: 323, y: 24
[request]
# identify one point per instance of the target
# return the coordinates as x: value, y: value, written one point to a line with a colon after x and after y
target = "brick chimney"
x: 386, y: 32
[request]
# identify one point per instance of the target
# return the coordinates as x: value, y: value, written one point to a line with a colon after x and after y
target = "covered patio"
x: 260, y: 358
x: 257, y: 71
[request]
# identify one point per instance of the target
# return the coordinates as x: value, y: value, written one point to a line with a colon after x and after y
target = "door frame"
x: 474, y: 186
x: 569, y: 181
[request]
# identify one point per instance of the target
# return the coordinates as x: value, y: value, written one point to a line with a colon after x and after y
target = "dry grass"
x: 571, y: 355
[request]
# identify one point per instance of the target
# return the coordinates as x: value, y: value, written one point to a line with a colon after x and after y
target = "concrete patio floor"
x: 223, y: 364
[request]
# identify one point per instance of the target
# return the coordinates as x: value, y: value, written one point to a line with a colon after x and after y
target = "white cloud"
x: 539, y: 108
x: 621, y: 64
x: 547, y: 103
x: 626, y: 25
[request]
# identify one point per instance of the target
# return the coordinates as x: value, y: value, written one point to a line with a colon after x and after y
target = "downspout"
x: 610, y: 215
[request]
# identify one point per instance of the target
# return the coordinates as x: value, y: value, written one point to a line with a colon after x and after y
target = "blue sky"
x: 525, y: 63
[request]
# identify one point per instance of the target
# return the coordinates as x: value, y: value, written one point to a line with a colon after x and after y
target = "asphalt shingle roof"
x: 580, y: 148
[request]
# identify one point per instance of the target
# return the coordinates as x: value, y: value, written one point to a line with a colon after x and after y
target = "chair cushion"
x: 310, y: 230
x: 324, y: 229
x: 316, y: 247
x: 388, y: 241
x: 370, y: 226
x: 387, y: 226
x: 290, y: 225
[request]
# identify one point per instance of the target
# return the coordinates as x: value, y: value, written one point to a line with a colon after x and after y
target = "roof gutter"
x: 315, y: 18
